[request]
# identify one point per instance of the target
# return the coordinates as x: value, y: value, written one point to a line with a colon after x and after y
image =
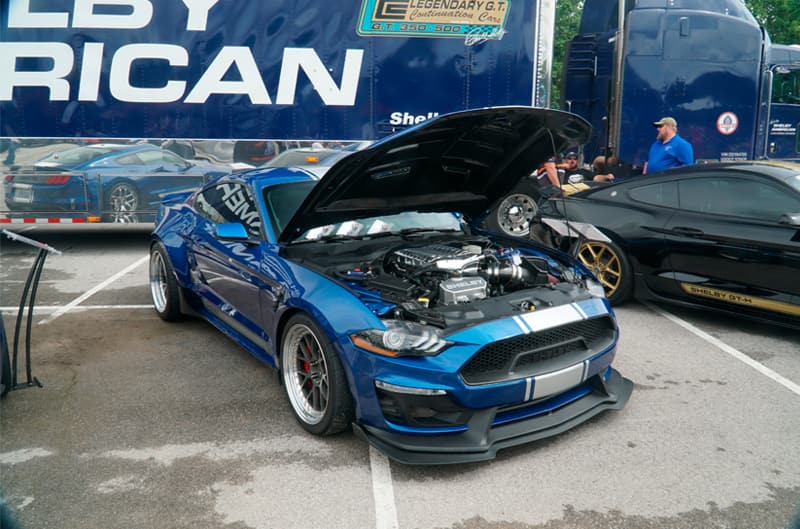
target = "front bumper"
x: 485, y: 436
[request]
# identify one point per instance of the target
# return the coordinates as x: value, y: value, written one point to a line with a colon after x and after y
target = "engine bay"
x: 455, y: 282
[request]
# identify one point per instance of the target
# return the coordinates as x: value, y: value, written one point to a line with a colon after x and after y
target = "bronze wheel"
x: 610, y: 266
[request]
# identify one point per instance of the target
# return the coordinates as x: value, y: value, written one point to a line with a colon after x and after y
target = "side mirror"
x: 792, y: 219
x: 234, y: 231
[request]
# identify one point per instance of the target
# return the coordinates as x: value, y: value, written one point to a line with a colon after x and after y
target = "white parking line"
x: 47, y: 309
x: 761, y: 368
x: 382, y: 490
x: 93, y: 291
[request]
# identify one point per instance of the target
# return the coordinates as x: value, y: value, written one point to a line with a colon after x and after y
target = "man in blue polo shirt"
x: 669, y: 150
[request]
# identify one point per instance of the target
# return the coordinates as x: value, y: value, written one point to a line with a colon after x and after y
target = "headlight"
x: 595, y: 288
x: 401, y: 338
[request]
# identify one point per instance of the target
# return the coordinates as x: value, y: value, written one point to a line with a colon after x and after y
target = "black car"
x: 723, y: 236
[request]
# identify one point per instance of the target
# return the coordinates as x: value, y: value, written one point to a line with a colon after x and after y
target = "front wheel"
x: 610, y: 265
x: 313, y: 378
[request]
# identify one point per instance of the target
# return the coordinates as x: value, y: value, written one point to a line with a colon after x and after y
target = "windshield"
x: 76, y: 156
x: 283, y: 200
x: 405, y: 222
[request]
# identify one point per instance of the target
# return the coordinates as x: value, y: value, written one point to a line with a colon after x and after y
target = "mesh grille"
x: 521, y: 355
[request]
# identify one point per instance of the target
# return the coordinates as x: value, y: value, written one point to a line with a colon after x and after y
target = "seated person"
x: 548, y: 173
x: 600, y: 168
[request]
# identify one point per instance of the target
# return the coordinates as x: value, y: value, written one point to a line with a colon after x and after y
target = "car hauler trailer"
x: 282, y: 70
x: 343, y: 71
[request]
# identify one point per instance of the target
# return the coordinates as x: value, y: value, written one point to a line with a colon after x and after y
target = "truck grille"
x: 539, y: 352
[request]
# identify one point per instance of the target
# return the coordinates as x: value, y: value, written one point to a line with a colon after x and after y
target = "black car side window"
x: 661, y: 194
x: 738, y: 197
x: 229, y: 202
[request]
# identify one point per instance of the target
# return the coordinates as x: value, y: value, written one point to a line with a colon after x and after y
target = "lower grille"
x: 539, y: 352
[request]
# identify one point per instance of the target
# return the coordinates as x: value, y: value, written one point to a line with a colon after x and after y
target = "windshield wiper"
x: 415, y: 231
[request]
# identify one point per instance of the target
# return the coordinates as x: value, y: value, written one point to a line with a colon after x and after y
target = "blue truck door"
x: 783, y: 136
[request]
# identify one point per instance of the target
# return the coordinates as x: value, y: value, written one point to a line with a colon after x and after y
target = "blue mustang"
x: 383, y: 308
x: 121, y: 182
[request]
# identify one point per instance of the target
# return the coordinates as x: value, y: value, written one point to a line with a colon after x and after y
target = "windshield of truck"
x: 73, y: 157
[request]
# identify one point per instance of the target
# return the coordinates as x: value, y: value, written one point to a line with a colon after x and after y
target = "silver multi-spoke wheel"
x: 164, y: 287
x: 305, y: 373
x: 123, y: 198
x: 158, y: 281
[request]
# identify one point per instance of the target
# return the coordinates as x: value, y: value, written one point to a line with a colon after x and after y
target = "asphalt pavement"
x: 146, y: 424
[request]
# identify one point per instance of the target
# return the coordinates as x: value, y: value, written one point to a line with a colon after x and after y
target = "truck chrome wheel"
x: 515, y: 214
x: 305, y: 374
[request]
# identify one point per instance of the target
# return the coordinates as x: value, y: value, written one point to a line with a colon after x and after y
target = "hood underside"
x: 462, y: 162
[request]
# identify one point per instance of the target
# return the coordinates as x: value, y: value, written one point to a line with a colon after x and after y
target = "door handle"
x: 687, y: 231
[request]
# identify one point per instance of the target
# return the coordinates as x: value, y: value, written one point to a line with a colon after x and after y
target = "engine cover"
x: 440, y: 256
x: 462, y: 290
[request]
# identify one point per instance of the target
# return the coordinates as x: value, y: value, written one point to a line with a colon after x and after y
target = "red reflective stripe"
x: 43, y: 220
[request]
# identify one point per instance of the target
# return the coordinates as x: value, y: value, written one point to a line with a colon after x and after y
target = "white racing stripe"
x: 77, y: 301
x: 761, y: 368
x: 382, y: 490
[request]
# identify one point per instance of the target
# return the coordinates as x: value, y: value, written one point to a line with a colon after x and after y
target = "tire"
x: 122, y: 198
x: 314, y: 379
x: 164, y: 287
x: 514, y: 215
x: 612, y: 268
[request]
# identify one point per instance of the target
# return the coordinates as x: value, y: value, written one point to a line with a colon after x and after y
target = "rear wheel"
x: 163, y: 286
x: 610, y: 265
x: 123, y: 198
x: 314, y: 379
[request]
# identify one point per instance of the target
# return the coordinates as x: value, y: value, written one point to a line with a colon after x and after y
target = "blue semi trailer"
x: 227, y: 72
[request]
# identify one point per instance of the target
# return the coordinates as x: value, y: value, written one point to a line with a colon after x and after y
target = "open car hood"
x: 462, y: 162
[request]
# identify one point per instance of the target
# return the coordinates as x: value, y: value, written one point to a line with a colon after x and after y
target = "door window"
x: 739, y: 197
x: 786, y: 86
x: 229, y: 202
x: 661, y: 194
x: 174, y: 160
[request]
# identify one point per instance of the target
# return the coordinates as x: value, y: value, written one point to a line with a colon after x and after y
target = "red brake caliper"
x: 306, y: 365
